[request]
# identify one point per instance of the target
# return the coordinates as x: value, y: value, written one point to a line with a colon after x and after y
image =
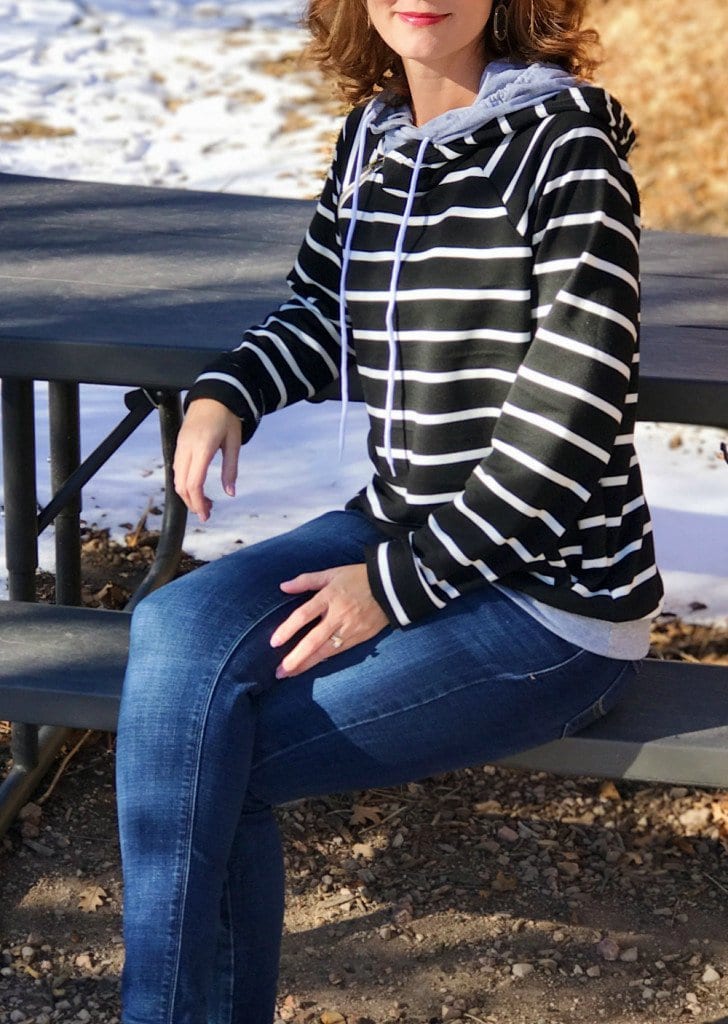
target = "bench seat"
x: 64, y: 666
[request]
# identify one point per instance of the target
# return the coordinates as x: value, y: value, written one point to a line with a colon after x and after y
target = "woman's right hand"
x: 208, y: 426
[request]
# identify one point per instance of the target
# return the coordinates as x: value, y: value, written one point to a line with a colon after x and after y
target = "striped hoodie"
x: 487, y: 291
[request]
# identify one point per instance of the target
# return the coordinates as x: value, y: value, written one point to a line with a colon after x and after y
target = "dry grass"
x: 666, y: 61
x: 13, y: 131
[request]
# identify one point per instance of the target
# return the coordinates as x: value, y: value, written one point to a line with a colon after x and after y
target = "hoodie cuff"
x: 396, y: 583
x: 228, y: 396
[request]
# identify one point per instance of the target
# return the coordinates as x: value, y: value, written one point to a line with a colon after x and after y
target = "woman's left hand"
x: 346, y: 607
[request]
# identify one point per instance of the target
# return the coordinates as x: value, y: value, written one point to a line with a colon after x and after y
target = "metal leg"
x: 22, y: 780
x: 174, y: 519
x: 21, y: 540
x: 33, y: 750
x: 65, y: 438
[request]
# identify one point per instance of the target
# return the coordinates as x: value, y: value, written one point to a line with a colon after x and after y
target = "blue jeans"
x: 209, y: 741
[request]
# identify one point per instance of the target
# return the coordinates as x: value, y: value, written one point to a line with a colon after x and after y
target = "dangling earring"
x: 500, y: 23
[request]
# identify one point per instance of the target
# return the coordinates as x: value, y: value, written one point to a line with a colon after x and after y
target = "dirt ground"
x: 485, y: 895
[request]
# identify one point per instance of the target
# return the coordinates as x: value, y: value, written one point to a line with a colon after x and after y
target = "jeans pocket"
x: 598, y: 708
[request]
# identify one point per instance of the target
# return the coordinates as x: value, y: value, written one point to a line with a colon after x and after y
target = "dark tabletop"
x: 127, y: 285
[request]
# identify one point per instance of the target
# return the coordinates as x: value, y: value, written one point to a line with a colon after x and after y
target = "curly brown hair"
x: 349, y: 49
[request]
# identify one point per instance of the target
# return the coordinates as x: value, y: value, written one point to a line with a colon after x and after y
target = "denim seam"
x: 597, y: 704
x: 194, y: 785
x: 554, y: 668
x: 398, y: 711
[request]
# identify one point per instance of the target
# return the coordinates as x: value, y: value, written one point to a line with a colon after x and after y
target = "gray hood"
x: 504, y: 88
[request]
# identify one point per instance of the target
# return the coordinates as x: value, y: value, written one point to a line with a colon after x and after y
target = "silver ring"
x: 336, y: 640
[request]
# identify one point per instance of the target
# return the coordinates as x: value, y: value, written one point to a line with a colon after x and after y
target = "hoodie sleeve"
x: 555, y: 434
x: 296, y: 351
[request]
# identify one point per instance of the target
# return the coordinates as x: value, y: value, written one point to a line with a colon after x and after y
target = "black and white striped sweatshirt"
x: 506, y: 332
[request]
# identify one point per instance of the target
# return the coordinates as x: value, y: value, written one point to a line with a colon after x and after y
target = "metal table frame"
x: 34, y: 748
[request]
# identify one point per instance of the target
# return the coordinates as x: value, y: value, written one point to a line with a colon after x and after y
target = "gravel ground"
x: 482, y: 895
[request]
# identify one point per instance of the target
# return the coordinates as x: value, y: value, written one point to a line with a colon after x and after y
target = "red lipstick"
x: 419, y: 19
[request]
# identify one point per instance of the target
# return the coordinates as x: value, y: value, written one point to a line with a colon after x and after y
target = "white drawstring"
x: 353, y: 170
x: 392, y: 305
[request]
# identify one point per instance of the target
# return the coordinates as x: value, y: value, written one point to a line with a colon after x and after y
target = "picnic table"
x: 136, y: 286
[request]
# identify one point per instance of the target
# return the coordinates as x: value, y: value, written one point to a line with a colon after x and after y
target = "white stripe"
x: 274, y: 374
x: 438, y: 498
x: 594, y: 217
x: 285, y: 352
x: 563, y: 140
x: 386, y: 577
x: 526, y: 157
x: 428, y: 219
x: 590, y: 174
x: 578, y: 98
x: 311, y: 307
x: 437, y: 601
x: 521, y: 506
x: 233, y: 382
x: 439, y: 376
x: 446, y: 587
x: 503, y: 252
x: 541, y: 311
x: 554, y: 384
x: 557, y: 429
x: 585, y: 350
x: 608, y: 560
x: 449, y: 544
x: 307, y: 279
x: 586, y: 258
x: 612, y: 268
x: 640, y: 578
x: 322, y: 250
x: 490, y: 531
x: 593, y: 521
x: 496, y: 158
x: 614, y: 481
x: 443, y: 294
x: 542, y: 469
x: 448, y: 459
x: 479, y: 334
x: 599, y: 309
x: 310, y: 342
x: 375, y: 503
x: 433, y: 418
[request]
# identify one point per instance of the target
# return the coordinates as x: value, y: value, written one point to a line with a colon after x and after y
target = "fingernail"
x: 281, y: 672
x: 274, y: 641
x: 230, y: 490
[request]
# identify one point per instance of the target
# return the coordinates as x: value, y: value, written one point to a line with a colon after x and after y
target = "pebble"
x: 629, y: 956
x: 608, y: 949
x: 594, y: 972
x: 508, y: 835
x: 648, y: 994
x: 522, y: 970
x: 696, y: 817
x: 450, y: 1013
x: 27, y: 953
x: 710, y: 975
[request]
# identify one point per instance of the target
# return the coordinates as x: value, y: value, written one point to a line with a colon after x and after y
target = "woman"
x: 475, y: 255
